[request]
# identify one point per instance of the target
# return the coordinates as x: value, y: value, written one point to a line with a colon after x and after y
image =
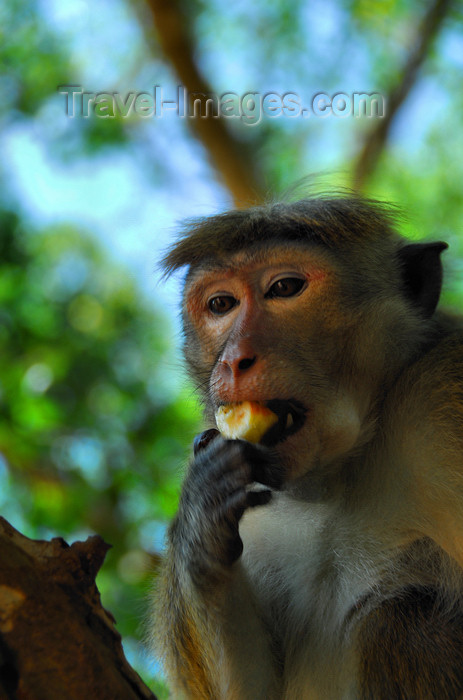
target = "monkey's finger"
x: 234, y: 549
x: 240, y: 501
x: 265, y: 468
x: 258, y: 498
x: 203, y: 439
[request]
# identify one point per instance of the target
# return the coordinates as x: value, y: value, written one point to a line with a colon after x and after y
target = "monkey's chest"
x: 308, y: 567
x: 342, y: 611
x: 308, y: 594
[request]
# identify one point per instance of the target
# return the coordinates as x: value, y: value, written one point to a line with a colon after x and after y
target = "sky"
x: 113, y: 193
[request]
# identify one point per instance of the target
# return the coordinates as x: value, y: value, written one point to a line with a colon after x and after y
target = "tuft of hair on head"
x: 330, y: 220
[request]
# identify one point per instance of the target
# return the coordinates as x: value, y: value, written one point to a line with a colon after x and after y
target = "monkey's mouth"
x: 291, y: 417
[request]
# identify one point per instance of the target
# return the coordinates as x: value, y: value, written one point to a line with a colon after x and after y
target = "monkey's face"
x: 274, y: 324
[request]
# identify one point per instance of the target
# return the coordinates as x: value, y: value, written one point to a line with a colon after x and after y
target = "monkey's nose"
x: 238, y: 357
x: 234, y: 367
x: 246, y: 363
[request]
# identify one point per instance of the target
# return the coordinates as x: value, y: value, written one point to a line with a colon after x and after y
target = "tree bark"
x: 376, y: 139
x: 232, y: 159
x: 56, y: 640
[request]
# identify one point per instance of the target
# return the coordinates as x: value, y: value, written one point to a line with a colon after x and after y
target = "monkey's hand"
x: 215, y: 495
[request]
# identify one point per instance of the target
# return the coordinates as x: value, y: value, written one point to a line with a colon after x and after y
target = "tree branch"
x: 56, y: 640
x: 229, y: 156
x: 376, y: 139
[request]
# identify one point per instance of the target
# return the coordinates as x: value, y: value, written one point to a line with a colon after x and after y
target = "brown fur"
x: 411, y: 648
x: 330, y: 221
x: 346, y: 582
x: 187, y: 663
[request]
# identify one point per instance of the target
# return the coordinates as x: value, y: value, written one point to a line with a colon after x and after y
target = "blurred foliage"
x: 23, y: 38
x: 91, y: 438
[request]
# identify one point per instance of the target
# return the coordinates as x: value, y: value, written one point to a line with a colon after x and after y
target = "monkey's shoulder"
x: 422, y: 429
x: 433, y: 385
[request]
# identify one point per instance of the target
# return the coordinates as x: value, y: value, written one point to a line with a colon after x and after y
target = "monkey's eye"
x: 286, y: 287
x: 221, y: 304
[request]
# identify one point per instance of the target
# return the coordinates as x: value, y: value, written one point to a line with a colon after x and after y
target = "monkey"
x: 324, y: 562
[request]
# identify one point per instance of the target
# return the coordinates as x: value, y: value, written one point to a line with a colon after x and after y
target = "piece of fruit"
x: 247, y: 420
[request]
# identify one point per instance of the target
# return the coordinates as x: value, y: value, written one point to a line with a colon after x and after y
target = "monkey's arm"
x: 426, y: 415
x: 209, y: 636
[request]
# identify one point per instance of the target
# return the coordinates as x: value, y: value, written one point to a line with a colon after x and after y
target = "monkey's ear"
x: 422, y: 274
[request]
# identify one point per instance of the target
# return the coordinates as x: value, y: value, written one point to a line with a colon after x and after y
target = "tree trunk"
x: 56, y: 640
x: 233, y: 160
